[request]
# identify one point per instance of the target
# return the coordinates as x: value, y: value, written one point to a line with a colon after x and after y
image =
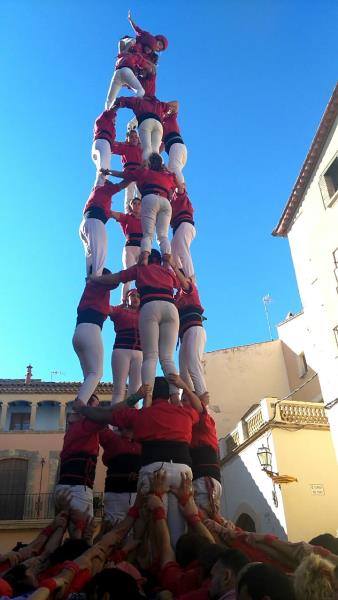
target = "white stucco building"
x: 310, y: 222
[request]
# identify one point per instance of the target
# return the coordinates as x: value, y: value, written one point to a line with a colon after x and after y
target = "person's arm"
x: 184, y: 495
x: 192, y: 397
x: 117, y: 216
x: 185, y: 283
x: 135, y: 27
x: 117, y: 148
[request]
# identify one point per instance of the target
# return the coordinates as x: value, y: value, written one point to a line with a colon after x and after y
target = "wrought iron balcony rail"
x: 17, y: 507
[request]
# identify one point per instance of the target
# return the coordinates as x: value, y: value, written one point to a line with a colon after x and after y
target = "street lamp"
x: 264, y: 456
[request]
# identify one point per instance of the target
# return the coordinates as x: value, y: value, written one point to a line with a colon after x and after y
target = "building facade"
x: 310, y: 222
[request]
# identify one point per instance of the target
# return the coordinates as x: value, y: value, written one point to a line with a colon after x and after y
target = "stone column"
x: 33, y: 416
x: 3, y: 417
x: 62, y: 416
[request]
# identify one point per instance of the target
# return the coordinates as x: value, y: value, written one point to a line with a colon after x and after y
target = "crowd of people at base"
x: 135, y: 560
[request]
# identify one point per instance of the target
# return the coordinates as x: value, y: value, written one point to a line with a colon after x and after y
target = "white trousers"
x: 81, y: 497
x: 101, y: 155
x: 180, y: 247
x: 155, y: 214
x: 178, y: 155
x: 130, y: 256
x: 150, y: 132
x: 123, y: 77
x: 87, y: 343
x: 125, y: 363
x: 94, y: 238
x: 190, y: 359
x: 129, y: 193
x: 176, y: 521
x: 202, y: 492
x: 158, y: 331
x: 117, y: 505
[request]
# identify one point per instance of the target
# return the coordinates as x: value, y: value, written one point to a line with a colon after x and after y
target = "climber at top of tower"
x: 157, y: 43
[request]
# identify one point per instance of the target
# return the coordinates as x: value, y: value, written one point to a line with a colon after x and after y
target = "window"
x: 335, y: 331
x: 13, y: 475
x: 19, y: 421
x: 302, y: 365
x: 328, y: 183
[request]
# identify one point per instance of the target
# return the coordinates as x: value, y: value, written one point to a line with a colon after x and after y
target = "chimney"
x: 28, y: 374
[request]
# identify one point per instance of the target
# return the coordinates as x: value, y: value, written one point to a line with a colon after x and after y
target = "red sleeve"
x: 123, y: 218
x: 128, y: 274
x: 123, y: 418
x: 79, y: 581
x: 117, y: 148
x: 177, y: 580
x: 194, y: 414
x: 92, y: 426
x: 126, y: 102
x: 106, y: 436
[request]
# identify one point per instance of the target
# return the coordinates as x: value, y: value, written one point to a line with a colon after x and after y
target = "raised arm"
x: 135, y: 27
x: 115, y: 215
x: 184, y: 281
x: 191, y: 396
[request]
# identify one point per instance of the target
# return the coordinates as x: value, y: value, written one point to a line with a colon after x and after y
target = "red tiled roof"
x: 308, y: 167
x: 36, y: 386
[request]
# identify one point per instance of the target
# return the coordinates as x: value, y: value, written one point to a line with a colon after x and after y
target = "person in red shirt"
x: 156, y: 185
x: 131, y: 158
x: 126, y: 360
x: 92, y: 311
x: 205, y: 463
x: 174, y: 145
x: 122, y: 457
x: 150, y: 113
x: 158, y: 314
x: 184, y: 232
x: 92, y: 228
x: 132, y: 228
x: 78, y: 460
x: 164, y: 431
x: 104, y: 136
x: 192, y: 335
x: 157, y: 43
x: 126, y: 68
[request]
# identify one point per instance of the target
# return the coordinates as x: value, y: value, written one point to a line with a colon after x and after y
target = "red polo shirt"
x: 114, y: 444
x: 96, y: 297
x: 131, y: 156
x: 101, y: 196
x: 104, y: 126
x: 81, y: 436
x: 160, y: 421
x: 153, y: 282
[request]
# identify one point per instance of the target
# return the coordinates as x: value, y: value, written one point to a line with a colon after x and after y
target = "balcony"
x: 35, y: 507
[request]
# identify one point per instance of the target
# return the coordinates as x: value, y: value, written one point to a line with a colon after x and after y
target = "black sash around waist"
x: 104, y: 134
x: 172, y: 138
x: 165, y: 451
x: 122, y: 473
x: 128, y: 338
x: 90, y: 315
x: 134, y: 239
x: 182, y: 217
x: 154, y: 188
x: 148, y: 115
x: 205, y: 462
x: 96, y: 212
x: 78, y: 469
x: 149, y: 294
x: 131, y: 165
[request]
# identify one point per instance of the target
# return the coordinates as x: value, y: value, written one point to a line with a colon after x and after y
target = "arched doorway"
x: 13, y: 478
x: 246, y: 522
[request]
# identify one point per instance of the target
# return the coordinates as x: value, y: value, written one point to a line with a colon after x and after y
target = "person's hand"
x: 184, y: 494
x: 153, y: 502
x: 104, y: 171
x: 159, y: 483
x: 176, y: 380
x: 79, y: 520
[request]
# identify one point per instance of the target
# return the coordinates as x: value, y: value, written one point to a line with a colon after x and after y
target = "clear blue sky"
x: 252, y: 78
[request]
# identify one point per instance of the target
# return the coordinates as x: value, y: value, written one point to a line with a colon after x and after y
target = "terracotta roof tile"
x: 18, y: 386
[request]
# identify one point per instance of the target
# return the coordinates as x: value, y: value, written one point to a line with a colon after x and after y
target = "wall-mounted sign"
x: 317, y: 489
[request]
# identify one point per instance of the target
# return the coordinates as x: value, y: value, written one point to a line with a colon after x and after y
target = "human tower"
x: 172, y: 430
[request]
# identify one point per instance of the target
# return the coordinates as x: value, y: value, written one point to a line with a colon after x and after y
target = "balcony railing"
x: 15, y: 507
